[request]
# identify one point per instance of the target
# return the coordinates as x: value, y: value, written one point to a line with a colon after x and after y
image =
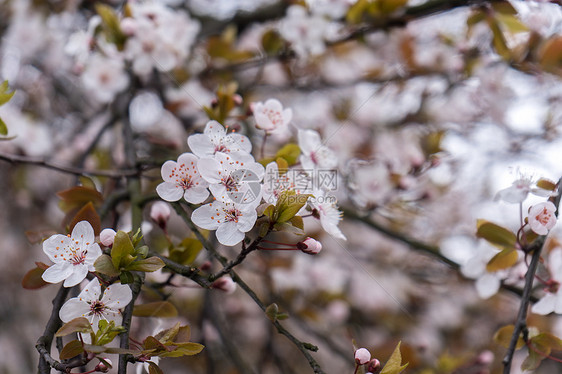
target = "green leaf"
x: 498, y: 39
x: 5, y: 96
x: 186, y: 252
x: 183, y: 335
x: 122, y: 250
x: 32, y: 279
x: 126, y: 277
x: 511, y: 23
x: 120, y: 351
x: 3, y: 128
x: 290, y: 153
x: 495, y: 234
x: 394, y: 363
x: 288, y: 204
x: 168, y: 335
x: 287, y: 227
x: 152, y: 343
x: 153, y: 368
x: 184, y: 349
x: 104, y: 265
x: 111, y: 24
x: 156, y: 309
x: 147, y: 265
x: 71, y: 349
x: 272, y: 42
x: 79, y: 324
x: 504, y: 7
x: 390, y: 6
x: 532, y: 361
x: 503, y: 337
x: 546, y: 339
x: 107, y: 331
x: 546, y: 184
x: 503, y: 260
x: 271, y: 312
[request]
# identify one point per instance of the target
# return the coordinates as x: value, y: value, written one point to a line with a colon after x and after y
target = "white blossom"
x: 215, y: 140
x: 271, y: 116
x: 95, y: 306
x: 232, y: 221
x: 73, y: 255
x: 182, y: 179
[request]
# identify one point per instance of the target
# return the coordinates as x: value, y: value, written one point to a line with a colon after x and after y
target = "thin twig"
x: 521, y: 324
x: 43, y: 345
x: 305, y: 348
x: 113, y: 174
x: 186, y: 271
x: 127, y: 316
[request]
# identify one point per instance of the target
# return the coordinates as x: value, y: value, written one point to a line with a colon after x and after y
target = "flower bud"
x: 225, y: 284
x: 310, y: 246
x: 107, y: 236
x: 160, y: 213
x: 362, y: 356
x: 374, y: 366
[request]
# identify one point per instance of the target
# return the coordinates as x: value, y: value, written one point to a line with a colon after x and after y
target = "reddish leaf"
x: 87, y: 213
x: 32, y: 279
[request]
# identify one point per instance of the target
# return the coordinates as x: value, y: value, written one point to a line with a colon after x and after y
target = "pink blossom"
x: 542, y: 218
x: 225, y: 284
x: 160, y: 213
x: 271, y: 116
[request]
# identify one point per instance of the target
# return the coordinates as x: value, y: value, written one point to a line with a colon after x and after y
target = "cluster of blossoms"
x: 150, y: 36
x: 74, y: 256
x: 222, y: 167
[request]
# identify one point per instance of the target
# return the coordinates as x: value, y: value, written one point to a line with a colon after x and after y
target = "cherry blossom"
x: 182, y: 179
x: 552, y: 300
x: 271, y: 116
x: 159, y: 37
x: 306, y: 33
x: 315, y: 155
x: 104, y: 77
x: 520, y: 188
x: 230, y: 179
x: 95, y: 305
x: 74, y: 255
x: 225, y: 284
x: 274, y: 182
x: 232, y: 221
x: 328, y: 213
x: 542, y: 218
x: 215, y: 140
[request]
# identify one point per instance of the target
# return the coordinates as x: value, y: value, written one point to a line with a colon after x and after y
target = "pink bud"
x: 362, y: 356
x: 237, y: 99
x: 160, y: 213
x: 485, y: 358
x: 310, y: 246
x: 225, y: 284
x: 205, y: 266
x: 374, y: 366
x: 102, y: 366
x: 107, y: 236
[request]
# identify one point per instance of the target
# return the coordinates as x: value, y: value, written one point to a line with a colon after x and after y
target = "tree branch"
x: 113, y: 174
x: 43, y: 345
x: 127, y: 316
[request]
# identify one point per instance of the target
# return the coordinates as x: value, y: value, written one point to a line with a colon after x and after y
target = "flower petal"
x: 210, y: 170
x: 79, y: 273
x: 546, y: 305
x: 206, y: 216
x: 201, y: 145
x: 117, y: 296
x: 196, y: 195
x: 83, y: 233
x: 487, y: 285
x: 54, y: 246
x: 58, y: 272
x: 169, y: 191
x: 228, y: 234
x: 74, y: 308
x: 168, y: 171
